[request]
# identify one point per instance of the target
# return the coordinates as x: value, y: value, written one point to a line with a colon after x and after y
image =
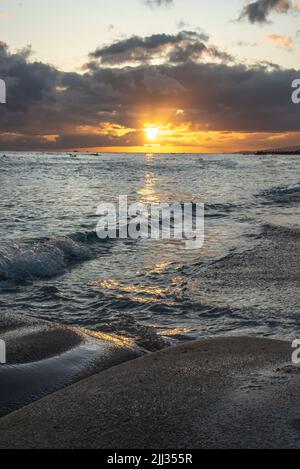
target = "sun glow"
x: 152, y: 133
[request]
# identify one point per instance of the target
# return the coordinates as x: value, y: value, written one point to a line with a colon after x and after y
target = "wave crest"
x: 41, y: 259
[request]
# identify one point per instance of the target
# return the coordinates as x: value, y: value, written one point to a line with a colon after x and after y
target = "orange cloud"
x: 285, y: 42
x: 104, y: 128
x: 182, y: 141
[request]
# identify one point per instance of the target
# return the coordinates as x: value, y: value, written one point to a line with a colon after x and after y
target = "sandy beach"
x: 67, y: 387
x: 44, y: 357
x: 215, y: 393
x: 149, y: 227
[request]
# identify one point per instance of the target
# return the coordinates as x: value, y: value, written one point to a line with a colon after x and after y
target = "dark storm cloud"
x: 259, y: 11
x: 26, y: 82
x: 181, y: 47
x: 48, y: 109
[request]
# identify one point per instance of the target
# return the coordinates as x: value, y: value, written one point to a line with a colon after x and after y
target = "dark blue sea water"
x: 52, y: 265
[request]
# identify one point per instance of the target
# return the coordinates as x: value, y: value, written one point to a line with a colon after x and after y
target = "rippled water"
x: 52, y: 265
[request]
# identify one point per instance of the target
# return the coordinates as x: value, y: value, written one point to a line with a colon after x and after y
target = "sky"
x: 140, y: 75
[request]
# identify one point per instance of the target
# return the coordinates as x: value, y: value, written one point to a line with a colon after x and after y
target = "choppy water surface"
x: 52, y: 265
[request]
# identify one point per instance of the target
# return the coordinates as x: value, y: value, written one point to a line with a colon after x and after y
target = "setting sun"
x: 152, y: 133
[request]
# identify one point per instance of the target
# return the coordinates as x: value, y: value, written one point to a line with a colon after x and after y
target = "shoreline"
x: 234, y: 392
x: 43, y: 357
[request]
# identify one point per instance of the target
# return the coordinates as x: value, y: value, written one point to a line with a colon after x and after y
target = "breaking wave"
x: 45, y: 258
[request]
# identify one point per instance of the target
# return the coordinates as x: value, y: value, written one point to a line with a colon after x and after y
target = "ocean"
x: 243, y: 281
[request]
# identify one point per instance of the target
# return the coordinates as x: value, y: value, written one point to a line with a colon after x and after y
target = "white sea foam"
x: 41, y: 259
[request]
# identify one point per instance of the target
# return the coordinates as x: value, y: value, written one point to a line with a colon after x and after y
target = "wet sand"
x: 44, y: 357
x: 216, y: 393
x: 260, y: 285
